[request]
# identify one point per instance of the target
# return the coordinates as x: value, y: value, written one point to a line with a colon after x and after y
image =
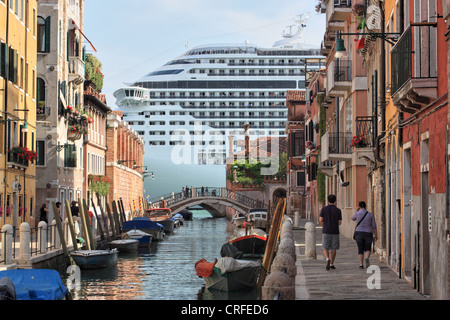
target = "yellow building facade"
x: 18, y: 55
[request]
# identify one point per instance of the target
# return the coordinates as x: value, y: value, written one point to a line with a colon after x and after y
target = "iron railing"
x: 412, y: 56
x: 365, y: 130
x: 339, y: 143
x: 342, y: 70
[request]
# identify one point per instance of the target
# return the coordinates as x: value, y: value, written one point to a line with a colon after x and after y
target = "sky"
x: 135, y: 37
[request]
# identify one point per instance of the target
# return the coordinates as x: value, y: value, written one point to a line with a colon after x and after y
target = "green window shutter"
x: 3, y: 59
x: 47, y: 34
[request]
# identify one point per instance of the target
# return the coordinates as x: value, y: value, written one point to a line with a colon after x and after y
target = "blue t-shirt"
x: 331, y: 216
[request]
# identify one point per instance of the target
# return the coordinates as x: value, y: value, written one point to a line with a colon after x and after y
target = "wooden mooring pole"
x: 272, y: 241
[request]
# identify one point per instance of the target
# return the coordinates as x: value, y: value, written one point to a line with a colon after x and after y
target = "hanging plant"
x: 99, y: 184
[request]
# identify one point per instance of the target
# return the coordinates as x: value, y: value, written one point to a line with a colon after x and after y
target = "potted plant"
x: 358, y: 9
x: 358, y: 142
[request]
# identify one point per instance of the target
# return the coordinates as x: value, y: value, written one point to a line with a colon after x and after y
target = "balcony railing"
x: 336, y: 146
x: 414, y: 61
x: 14, y: 158
x: 76, y: 70
x: 365, y: 130
x: 339, y: 10
x: 342, y: 70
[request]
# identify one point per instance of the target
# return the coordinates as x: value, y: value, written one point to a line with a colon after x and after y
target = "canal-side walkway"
x: 347, y: 281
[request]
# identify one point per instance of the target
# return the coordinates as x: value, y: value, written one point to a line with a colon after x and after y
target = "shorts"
x: 364, y: 241
x: 330, y: 241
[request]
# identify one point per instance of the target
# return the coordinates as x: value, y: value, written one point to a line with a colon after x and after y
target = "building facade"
x: 18, y: 130
x: 61, y: 121
x: 347, y: 139
x: 124, y: 163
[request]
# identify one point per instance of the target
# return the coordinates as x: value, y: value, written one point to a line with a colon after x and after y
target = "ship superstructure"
x: 187, y: 109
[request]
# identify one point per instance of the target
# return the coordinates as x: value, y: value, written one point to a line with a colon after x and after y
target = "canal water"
x: 166, y: 270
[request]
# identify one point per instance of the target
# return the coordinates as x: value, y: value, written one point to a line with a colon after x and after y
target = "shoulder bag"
x: 359, y: 223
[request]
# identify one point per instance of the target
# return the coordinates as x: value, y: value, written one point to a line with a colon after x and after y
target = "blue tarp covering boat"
x: 36, y: 284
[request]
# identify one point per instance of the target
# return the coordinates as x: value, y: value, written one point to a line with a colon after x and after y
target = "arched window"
x: 43, y: 34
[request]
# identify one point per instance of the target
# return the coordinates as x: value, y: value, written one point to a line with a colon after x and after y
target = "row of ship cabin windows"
x: 261, y: 72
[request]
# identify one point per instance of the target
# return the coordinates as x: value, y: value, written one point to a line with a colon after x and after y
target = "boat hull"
x: 145, y: 239
x: 95, y: 259
x: 124, y: 246
x: 232, y: 281
x: 145, y: 225
x: 250, y: 245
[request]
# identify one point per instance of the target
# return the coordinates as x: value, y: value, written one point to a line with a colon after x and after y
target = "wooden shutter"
x: 47, y: 34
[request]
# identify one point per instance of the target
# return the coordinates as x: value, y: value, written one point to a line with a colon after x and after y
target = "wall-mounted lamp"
x: 151, y: 174
x: 390, y: 37
x: 136, y: 167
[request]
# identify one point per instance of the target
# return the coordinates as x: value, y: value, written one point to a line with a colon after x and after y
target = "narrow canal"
x: 166, y: 270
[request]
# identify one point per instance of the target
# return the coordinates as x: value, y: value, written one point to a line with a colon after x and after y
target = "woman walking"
x: 365, y: 233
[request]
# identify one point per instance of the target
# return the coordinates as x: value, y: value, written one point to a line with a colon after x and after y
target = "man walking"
x: 330, y: 218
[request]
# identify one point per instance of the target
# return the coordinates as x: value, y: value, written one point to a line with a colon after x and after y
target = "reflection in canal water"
x: 165, y: 271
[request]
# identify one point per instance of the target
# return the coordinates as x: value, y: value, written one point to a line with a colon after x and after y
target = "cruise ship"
x: 187, y: 109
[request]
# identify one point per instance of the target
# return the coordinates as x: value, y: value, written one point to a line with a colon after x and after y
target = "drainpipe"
x: 382, y: 91
x: 383, y: 132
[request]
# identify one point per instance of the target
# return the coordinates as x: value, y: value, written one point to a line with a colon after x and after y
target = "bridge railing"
x: 174, y: 198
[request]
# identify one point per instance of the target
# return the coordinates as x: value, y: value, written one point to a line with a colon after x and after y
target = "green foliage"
x: 99, y: 184
x: 321, y: 188
x: 93, y: 66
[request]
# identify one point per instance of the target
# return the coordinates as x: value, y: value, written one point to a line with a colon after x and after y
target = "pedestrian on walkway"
x: 43, y: 213
x: 330, y: 218
x: 365, y: 233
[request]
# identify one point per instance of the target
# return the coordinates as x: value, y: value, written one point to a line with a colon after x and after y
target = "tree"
x: 93, y: 71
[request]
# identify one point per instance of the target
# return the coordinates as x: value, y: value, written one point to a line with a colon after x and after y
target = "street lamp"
x: 136, y: 167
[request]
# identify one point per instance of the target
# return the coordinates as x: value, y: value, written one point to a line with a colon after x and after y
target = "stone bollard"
x: 284, y: 262
x: 7, y: 244
x: 25, y: 251
x: 42, y: 237
x: 296, y: 219
x: 278, y: 282
x: 55, y: 235
x: 310, y: 241
x: 287, y: 246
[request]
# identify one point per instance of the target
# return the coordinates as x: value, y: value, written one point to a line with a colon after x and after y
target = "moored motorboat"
x: 145, y: 239
x: 94, y: 259
x: 124, y: 245
x: 146, y: 225
x: 238, y: 219
x: 32, y: 284
x: 251, y: 241
x: 161, y: 216
x: 258, y: 217
x: 228, y: 274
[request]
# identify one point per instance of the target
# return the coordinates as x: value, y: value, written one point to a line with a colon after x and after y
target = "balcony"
x: 414, y: 68
x: 326, y: 167
x: 338, y: 10
x: 15, y: 160
x: 336, y: 146
x: 339, y: 77
x: 76, y: 70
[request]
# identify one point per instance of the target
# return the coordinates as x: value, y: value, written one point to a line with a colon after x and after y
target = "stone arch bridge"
x: 215, y: 200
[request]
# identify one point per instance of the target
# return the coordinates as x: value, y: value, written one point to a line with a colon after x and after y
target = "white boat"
x: 259, y: 217
x: 93, y: 259
x: 238, y: 219
x: 145, y: 239
x: 186, y: 109
x: 124, y: 245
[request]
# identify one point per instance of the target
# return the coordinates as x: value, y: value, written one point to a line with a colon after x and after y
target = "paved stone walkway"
x: 347, y: 281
